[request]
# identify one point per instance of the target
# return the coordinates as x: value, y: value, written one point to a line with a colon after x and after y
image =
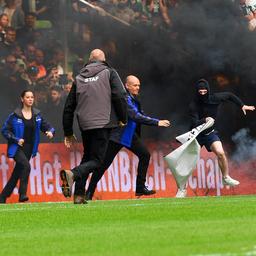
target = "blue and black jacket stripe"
x: 136, y: 117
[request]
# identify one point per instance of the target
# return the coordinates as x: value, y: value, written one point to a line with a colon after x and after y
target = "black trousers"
x: 20, y: 172
x: 95, y: 143
x: 137, y: 147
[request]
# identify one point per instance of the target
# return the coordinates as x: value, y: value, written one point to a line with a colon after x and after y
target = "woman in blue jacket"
x: 22, y: 131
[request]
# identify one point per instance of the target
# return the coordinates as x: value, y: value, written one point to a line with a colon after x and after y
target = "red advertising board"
x: 120, y: 179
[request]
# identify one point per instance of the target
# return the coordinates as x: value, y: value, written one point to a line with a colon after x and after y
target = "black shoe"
x: 2, y: 199
x: 67, y: 178
x: 88, y: 196
x: 23, y: 198
x: 144, y: 192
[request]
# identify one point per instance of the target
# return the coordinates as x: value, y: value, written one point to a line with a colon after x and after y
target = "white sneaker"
x: 227, y: 180
x: 181, y: 193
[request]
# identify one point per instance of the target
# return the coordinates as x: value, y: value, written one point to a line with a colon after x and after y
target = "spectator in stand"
x: 154, y: 8
x: 7, y: 46
x: 41, y: 96
x: 47, y: 10
x: 55, y: 98
x: 80, y: 15
x: 58, y: 60
x: 42, y: 7
x: 21, y: 68
x: 53, y: 109
x: 52, y: 78
x: 39, y: 60
x: 31, y: 77
x: 29, y: 52
x: 14, y: 12
x: 26, y: 34
x: 41, y: 40
x: 249, y: 9
x: 12, y: 83
x: 123, y: 11
x: 4, y: 21
x: 19, y: 54
x: 139, y: 7
x: 66, y: 90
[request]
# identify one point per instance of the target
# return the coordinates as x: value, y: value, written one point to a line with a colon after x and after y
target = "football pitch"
x: 191, y: 226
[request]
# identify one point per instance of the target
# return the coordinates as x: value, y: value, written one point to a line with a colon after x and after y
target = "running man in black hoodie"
x: 98, y: 98
x: 204, y: 106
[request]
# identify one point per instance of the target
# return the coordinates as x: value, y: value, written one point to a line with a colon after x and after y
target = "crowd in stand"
x: 32, y: 56
x: 150, y: 12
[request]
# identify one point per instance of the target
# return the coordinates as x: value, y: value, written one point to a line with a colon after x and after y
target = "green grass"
x: 190, y: 226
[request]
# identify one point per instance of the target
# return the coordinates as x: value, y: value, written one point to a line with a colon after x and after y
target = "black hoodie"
x: 98, y: 97
x: 207, y: 105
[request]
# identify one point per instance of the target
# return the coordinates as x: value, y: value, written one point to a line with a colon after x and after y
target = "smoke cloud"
x: 245, y: 146
x: 207, y: 38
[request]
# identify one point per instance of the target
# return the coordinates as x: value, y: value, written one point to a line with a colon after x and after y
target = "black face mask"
x: 203, y: 98
x: 202, y: 84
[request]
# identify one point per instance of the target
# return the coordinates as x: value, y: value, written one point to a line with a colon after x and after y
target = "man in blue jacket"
x: 129, y: 137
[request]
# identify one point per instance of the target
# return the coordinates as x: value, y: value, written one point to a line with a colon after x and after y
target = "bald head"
x: 97, y: 55
x: 132, y: 84
x: 132, y: 80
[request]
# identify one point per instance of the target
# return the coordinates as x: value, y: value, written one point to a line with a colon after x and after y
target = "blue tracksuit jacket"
x: 13, y: 130
x: 136, y: 117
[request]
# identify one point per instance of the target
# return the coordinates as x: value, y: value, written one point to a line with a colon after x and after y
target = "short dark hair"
x: 56, y: 88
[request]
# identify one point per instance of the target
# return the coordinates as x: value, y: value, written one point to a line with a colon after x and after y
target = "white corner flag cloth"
x: 182, y: 160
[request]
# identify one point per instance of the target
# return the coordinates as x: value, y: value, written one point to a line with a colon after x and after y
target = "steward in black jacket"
x: 98, y: 98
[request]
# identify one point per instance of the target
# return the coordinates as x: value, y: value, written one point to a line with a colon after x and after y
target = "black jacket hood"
x: 93, y: 68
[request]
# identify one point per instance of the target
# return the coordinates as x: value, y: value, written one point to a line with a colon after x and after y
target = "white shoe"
x: 181, y: 193
x: 227, y: 180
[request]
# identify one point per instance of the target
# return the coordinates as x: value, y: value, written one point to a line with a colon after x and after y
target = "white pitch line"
x: 244, y: 253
